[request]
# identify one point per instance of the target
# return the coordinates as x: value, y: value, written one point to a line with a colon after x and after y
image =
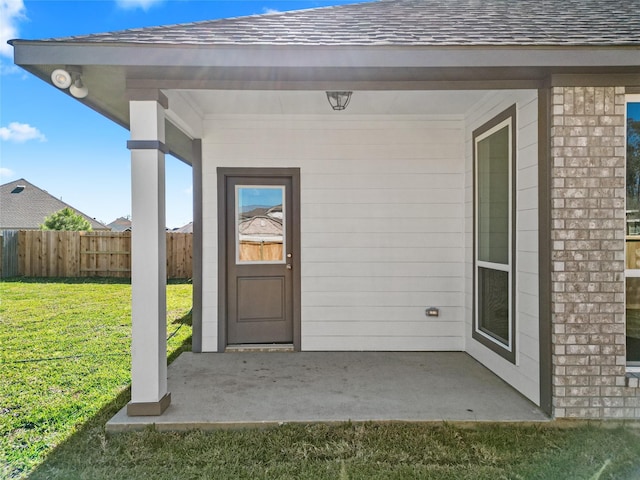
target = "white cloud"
x: 133, y: 4
x: 5, y: 172
x: 9, y: 68
x: 21, y: 132
x: 268, y: 10
x: 11, y: 13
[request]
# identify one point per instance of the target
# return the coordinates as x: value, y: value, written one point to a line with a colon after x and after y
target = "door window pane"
x: 260, y: 224
x: 493, y: 197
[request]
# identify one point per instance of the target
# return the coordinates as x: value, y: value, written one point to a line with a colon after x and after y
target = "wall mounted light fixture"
x: 70, y: 78
x: 61, y: 78
x: 77, y: 88
x: 339, y: 100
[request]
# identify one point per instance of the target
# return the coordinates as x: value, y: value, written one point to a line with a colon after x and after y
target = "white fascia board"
x: 141, y: 55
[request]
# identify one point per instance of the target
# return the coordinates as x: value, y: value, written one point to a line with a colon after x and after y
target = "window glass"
x: 260, y: 224
x: 632, y: 256
x: 633, y: 320
x: 493, y: 197
x: 493, y: 303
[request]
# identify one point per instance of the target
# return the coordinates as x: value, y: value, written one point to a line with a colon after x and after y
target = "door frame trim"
x: 223, y: 174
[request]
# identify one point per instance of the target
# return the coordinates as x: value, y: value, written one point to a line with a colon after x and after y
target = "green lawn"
x: 65, y: 372
x: 64, y: 355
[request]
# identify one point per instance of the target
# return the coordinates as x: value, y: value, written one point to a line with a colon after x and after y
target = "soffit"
x: 231, y: 102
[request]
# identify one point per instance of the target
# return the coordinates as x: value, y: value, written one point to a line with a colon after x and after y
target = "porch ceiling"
x: 226, y: 102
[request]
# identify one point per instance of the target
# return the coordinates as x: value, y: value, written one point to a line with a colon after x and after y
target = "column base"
x: 140, y: 409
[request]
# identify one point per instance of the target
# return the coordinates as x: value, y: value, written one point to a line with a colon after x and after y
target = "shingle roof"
x: 120, y: 224
x: 26, y: 208
x: 412, y: 22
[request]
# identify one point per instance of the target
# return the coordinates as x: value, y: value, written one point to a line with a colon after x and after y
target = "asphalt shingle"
x: 411, y: 22
x: 25, y: 206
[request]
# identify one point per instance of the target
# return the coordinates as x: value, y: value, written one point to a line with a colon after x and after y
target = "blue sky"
x: 56, y: 143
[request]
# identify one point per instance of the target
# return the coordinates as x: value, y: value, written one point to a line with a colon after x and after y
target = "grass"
x: 64, y: 356
x: 65, y: 373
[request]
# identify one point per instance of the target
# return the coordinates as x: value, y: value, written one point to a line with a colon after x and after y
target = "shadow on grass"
x: 184, y: 320
x: 91, y: 435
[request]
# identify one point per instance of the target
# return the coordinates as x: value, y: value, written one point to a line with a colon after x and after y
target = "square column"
x: 149, y: 394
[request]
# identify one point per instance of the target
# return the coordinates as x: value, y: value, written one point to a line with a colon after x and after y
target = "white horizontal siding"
x: 382, y: 240
x: 384, y: 181
x: 350, y: 328
x: 525, y: 374
x: 429, y: 194
x: 368, y: 313
x: 381, y: 284
x: 382, y: 222
x: 382, y: 269
x: 376, y: 225
x: 421, y: 212
x: 366, y: 342
x: 378, y: 254
x: 382, y: 299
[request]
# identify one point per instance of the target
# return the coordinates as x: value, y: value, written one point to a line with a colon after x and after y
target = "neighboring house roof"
x: 411, y: 22
x: 188, y: 228
x: 23, y: 206
x: 120, y: 224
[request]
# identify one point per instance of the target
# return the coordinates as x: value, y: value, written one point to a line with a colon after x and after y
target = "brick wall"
x: 587, y: 252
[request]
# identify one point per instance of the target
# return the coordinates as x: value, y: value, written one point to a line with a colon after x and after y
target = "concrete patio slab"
x: 233, y: 390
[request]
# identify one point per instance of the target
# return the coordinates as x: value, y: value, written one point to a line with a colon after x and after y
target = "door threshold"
x: 260, y: 347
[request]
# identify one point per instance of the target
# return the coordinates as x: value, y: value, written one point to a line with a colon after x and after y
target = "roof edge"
x: 305, y: 56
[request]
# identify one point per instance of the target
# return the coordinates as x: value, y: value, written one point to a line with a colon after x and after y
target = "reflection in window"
x: 632, y: 262
x: 260, y: 224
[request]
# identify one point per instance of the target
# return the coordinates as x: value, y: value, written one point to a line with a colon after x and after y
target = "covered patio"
x: 470, y: 200
x: 255, y: 389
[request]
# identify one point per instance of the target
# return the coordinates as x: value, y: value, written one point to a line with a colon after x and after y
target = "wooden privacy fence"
x: 8, y: 253
x: 93, y: 254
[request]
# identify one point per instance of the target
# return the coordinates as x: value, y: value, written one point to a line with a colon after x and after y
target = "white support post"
x: 149, y: 394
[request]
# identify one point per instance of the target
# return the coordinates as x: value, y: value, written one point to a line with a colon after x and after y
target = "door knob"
x: 289, y: 267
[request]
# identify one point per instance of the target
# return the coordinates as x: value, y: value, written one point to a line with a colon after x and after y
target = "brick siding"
x: 587, y: 253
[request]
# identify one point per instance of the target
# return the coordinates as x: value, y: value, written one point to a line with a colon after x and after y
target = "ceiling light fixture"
x: 339, y: 100
x: 70, y: 78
